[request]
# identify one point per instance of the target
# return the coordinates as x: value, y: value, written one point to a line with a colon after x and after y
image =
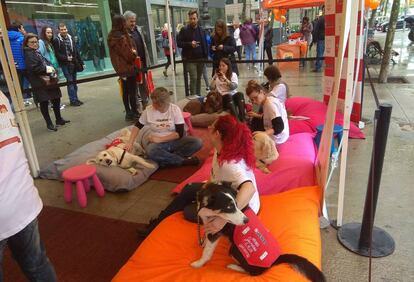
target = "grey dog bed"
x: 114, y: 179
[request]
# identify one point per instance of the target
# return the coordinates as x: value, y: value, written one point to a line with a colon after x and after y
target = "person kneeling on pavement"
x: 167, y: 144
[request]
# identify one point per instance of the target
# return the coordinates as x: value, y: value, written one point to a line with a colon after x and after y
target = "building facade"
x: 89, y: 22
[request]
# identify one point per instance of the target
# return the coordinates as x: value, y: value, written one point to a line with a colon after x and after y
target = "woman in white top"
x: 225, y: 82
x: 233, y: 163
x: 167, y: 144
x: 277, y: 88
x: 236, y: 35
x: 273, y: 120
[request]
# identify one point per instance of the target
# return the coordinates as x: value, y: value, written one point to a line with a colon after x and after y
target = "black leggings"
x: 239, y: 52
x: 44, y: 109
x: 169, y: 61
x: 235, y: 104
x: 129, y: 95
x: 183, y: 201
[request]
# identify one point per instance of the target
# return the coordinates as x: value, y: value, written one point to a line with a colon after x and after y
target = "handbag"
x: 78, y: 66
x: 48, y: 80
x: 165, y: 43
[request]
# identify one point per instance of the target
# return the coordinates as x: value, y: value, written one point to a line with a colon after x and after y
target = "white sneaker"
x: 27, y: 102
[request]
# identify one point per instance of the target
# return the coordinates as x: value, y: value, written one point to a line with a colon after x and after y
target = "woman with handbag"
x: 166, y: 47
x: 46, y: 46
x: 44, y: 78
x: 123, y: 52
x: 223, y: 46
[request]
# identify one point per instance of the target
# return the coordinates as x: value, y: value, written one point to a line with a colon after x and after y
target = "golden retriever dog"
x: 264, y: 150
x: 116, y: 155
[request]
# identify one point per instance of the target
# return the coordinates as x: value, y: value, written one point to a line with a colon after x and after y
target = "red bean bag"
x: 292, y: 218
x: 316, y: 111
x: 296, y: 155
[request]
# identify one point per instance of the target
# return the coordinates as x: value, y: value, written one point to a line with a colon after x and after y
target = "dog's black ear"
x: 226, y: 184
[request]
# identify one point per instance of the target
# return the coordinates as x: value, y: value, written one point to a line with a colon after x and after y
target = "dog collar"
x: 122, y: 157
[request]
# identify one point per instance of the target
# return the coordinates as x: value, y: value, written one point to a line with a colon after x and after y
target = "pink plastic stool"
x: 80, y: 175
x: 187, y: 120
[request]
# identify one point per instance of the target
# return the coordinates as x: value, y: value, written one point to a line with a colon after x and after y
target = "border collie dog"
x: 220, y: 200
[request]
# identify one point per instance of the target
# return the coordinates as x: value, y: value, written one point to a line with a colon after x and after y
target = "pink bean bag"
x: 293, y: 168
x: 316, y: 111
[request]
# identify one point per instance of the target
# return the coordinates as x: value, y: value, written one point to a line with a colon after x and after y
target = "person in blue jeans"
x: 167, y: 144
x: 20, y: 204
x: 319, y: 39
x: 69, y: 60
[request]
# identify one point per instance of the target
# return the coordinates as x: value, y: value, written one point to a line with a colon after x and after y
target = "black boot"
x: 129, y: 116
x: 61, y: 121
x: 51, y: 127
x: 228, y: 105
x: 238, y: 99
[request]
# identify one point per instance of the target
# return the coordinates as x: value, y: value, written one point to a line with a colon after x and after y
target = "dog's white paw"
x: 235, y: 267
x: 133, y: 171
x: 197, y: 264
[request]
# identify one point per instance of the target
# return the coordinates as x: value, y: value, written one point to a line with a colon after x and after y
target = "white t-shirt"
x: 20, y: 203
x: 162, y: 124
x: 279, y: 92
x: 236, y: 174
x: 273, y: 108
x: 222, y: 86
x: 236, y: 36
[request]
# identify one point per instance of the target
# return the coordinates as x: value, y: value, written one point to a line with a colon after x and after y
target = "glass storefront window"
x: 85, y: 20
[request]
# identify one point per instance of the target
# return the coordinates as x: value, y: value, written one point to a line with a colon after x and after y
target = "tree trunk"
x: 385, y: 65
x: 372, y: 19
x: 243, y: 15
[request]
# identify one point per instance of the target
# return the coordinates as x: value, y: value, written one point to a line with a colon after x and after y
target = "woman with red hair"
x: 233, y: 163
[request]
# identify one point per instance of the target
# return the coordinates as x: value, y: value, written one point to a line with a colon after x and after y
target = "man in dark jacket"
x: 16, y: 34
x: 192, y: 40
x: 136, y: 34
x: 319, y: 38
x: 69, y: 60
x: 268, y: 41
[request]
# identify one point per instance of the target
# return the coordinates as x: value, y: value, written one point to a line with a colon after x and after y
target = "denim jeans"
x: 29, y: 252
x: 320, y: 49
x: 195, y: 71
x: 250, y: 51
x: 173, y: 153
x: 70, y: 73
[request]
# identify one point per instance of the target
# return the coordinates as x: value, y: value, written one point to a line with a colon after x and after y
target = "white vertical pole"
x: 167, y: 8
x: 15, y: 91
x: 351, y: 87
x: 323, y: 156
x: 121, y: 10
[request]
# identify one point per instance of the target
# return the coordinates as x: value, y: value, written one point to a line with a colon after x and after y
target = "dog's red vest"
x: 255, y: 242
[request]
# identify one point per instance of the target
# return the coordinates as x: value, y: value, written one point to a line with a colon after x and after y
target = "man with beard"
x: 192, y: 40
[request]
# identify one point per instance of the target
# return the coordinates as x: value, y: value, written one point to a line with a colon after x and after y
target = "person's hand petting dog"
x: 214, y: 225
x: 128, y: 147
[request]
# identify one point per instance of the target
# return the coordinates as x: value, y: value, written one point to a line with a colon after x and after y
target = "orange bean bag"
x: 292, y: 217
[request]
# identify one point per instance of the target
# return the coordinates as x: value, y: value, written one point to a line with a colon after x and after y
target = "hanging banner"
x: 333, y: 20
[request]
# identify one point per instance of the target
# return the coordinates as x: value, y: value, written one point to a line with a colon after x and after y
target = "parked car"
x: 384, y: 26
